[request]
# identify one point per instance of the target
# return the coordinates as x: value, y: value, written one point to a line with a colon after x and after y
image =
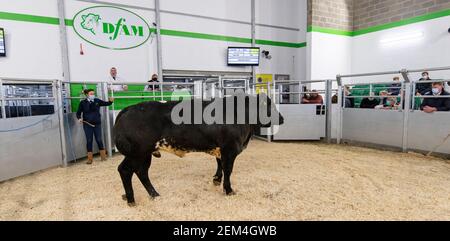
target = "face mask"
x: 371, y: 98
x: 91, y: 97
x: 154, y: 79
x: 425, y: 77
x: 436, y: 91
x: 388, y: 103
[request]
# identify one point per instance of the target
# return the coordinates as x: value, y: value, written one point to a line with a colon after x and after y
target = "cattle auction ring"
x: 273, y: 181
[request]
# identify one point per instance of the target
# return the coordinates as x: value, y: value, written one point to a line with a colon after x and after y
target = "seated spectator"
x: 431, y: 105
x: 389, y: 103
x: 369, y: 103
x: 383, y: 100
x: 335, y: 99
x: 313, y: 98
x: 447, y: 87
x: 394, y: 90
x: 423, y: 88
x: 349, y: 102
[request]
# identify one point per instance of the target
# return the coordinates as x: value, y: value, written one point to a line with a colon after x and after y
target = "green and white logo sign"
x: 111, y: 27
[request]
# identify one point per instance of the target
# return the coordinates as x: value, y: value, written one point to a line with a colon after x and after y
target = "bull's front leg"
x: 219, y: 173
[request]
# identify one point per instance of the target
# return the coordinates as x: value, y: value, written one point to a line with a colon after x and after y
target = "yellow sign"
x: 261, y: 82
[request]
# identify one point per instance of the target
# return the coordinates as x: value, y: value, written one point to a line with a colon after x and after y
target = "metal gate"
x: 30, y: 134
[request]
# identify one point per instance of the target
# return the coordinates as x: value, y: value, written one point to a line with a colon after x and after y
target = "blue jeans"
x: 90, y: 132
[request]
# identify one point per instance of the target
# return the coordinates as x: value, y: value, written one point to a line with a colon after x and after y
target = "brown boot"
x: 103, y: 155
x: 90, y: 158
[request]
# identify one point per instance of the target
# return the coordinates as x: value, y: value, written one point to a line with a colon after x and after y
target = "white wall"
x: 134, y: 65
x: 286, y: 13
x: 182, y: 53
x: 39, y: 58
x: 330, y: 55
x: 197, y: 54
x: 433, y: 50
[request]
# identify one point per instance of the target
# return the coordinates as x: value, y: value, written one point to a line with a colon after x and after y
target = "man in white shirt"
x: 114, y: 78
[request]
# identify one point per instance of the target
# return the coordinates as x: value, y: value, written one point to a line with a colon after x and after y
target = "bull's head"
x: 268, y: 114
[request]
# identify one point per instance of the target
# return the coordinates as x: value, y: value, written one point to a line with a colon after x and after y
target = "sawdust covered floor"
x: 278, y: 181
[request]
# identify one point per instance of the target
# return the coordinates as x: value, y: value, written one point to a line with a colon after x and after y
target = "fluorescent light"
x: 402, y: 37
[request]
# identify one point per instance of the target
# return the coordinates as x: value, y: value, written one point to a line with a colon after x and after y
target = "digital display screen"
x: 243, y: 56
x: 2, y: 43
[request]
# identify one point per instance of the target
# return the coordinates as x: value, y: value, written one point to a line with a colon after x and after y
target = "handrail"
x: 147, y: 83
x: 376, y: 83
x: 303, y: 92
x: 29, y: 98
x: 429, y: 70
x: 432, y: 97
x: 153, y: 97
x: 286, y: 82
x: 430, y: 81
x: 370, y: 74
x: 373, y: 96
x: 26, y: 79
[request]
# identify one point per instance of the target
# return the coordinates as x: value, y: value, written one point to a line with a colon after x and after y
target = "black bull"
x: 142, y: 130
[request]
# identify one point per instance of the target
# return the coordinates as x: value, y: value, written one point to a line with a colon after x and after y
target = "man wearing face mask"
x: 423, y: 88
x: 431, y: 105
x: 153, y: 83
x: 88, y: 114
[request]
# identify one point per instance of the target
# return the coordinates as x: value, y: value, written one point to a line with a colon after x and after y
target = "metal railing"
x: 10, y: 100
x: 55, y: 100
x: 276, y: 91
x: 407, y: 94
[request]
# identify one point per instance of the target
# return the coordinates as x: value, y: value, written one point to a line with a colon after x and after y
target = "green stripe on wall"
x: 330, y: 31
x: 280, y: 44
x: 404, y: 22
x: 204, y: 36
x: 167, y: 32
x: 68, y: 22
x: 28, y: 18
x: 185, y: 34
x: 382, y: 27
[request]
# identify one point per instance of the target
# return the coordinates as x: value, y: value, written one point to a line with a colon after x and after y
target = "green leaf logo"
x: 90, y: 22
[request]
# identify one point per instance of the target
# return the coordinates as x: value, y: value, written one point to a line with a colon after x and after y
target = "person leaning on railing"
x: 394, y: 89
x: 369, y: 103
x: 153, y: 83
x: 423, y: 88
x: 114, y: 78
x: 313, y: 98
x: 431, y: 105
x: 447, y: 87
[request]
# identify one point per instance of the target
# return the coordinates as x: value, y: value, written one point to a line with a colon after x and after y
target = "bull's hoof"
x: 156, y: 154
x: 131, y: 204
x: 124, y: 197
x: 217, y: 181
x: 154, y: 195
x: 229, y: 193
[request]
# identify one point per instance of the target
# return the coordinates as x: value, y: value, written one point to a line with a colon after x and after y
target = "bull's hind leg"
x: 142, y: 173
x: 218, y: 176
x: 126, y: 173
x: 228, y: 157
